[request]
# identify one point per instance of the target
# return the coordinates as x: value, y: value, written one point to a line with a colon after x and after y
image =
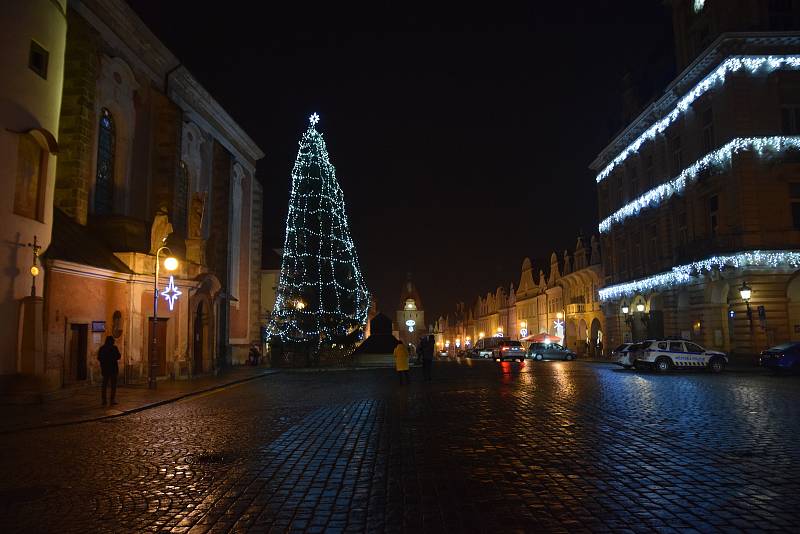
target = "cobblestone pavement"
x: 545, y: 446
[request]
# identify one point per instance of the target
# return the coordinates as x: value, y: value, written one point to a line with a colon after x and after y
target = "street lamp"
x: 170, y: 264
x: 640, y: 307
x: 745, y: 292
x: 625, y: 308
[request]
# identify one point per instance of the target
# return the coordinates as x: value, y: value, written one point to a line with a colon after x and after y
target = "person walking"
x: 108, y: 356
x: 427, y: 347
x: 401, y: 361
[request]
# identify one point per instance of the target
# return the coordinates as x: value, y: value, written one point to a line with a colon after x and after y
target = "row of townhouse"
x: 111, y: 150
x: 698, y: 196
x: 564, y: 304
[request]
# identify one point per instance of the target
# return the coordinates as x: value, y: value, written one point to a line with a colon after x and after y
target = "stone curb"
x: 142, y: 407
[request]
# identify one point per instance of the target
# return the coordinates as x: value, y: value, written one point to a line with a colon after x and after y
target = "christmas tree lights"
x: 683, y: 274
x: 748, y: 64
x: 716, y: 160
x: 321, y: 293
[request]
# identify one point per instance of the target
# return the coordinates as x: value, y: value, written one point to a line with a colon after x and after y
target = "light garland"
x: 717, y: 159
x: 750, y: 64
x: 321, y: 292
x: 699, y: 5
x: 682, y: 274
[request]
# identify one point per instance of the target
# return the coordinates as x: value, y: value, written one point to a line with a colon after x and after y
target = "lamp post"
x: 170, y: 264
x: 34, y: 267
x: 745, y: 292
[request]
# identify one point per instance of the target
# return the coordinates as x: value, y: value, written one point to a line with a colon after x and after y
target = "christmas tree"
x: 321, y: 293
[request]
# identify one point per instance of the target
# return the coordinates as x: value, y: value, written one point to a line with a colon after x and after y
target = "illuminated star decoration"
x: 313, y: 119
x: 171, y: 293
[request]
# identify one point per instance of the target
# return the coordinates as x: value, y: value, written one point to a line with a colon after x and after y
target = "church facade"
x: 148, y: 164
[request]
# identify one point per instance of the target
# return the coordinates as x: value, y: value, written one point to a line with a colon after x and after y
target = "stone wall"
x: 166, y: 135
x: 256, y: 221
x: 77, y: 125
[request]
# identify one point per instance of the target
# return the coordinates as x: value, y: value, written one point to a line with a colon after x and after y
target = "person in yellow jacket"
x: 401, y: 362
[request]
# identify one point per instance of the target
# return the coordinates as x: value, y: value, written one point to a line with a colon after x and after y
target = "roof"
x: 410, y: 292
x: 75, y: 243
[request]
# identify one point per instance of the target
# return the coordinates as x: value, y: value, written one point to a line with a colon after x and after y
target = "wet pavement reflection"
x: 485, y: 446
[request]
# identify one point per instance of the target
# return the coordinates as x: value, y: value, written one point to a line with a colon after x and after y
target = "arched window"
x: 104, y: 182
x: 181, y: 199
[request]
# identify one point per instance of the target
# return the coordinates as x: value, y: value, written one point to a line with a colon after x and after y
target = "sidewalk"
x: 84, y: 405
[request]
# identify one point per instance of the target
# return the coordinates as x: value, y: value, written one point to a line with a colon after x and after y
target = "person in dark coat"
x: 108, y: 356
x: 427, y: 347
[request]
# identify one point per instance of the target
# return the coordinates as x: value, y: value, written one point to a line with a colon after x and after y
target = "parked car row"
x: 672, y: 353
x: 507, y: 349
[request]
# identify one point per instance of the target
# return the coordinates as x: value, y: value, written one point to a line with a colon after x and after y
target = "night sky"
x: 461, y: 135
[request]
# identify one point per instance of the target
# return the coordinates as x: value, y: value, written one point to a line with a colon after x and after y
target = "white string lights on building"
x: 684, y: 274
x: 748, y: 64
x: 321, y: 292
x: 718, y: 159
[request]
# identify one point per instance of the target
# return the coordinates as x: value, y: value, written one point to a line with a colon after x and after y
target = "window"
x: 707, y: 118
x: 653, y: 250
x: 104, y: 181
x: 794, y: 195
x: 790, y: 120
x: 648, y: 171
x: 636, y: 260
x: 28, y: 192
x: 683, y: 229
x: 693, y: 347
x: 37, y: 59
x: 677, y: 155
x: 662, y: 345
x: 676, y: 346
x: 633, y: 176
x: 713, y: 215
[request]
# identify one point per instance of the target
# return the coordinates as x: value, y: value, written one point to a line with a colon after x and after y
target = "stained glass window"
x: 104, y: 182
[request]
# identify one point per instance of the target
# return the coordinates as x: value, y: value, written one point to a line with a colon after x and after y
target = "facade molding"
x: 200, y: 107
x: 122, y: 28
x: 719, y: 158
x: 725, y: 48
x: 684, y: 274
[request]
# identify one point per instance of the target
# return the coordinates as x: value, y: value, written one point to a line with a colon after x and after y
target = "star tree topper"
x: 313, y: 119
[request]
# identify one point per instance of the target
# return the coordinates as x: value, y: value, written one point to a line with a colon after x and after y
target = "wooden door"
x: 161, y: 345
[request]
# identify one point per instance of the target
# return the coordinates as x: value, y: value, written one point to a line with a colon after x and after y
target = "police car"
x: 665, y: 354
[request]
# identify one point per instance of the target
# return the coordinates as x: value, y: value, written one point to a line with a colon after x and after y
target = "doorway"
x: 78, y: 341
x: 199, y: 338
x: 161, y: 345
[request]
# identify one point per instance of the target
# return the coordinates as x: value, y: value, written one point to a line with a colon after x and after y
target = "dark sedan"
x: 783, y: 357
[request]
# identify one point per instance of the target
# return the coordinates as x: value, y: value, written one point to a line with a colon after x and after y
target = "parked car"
x: 665, y: 354
x: 783, y: 357
x: 550, y: 351
x: 624, y: 354
x: 510, y: 351
x: 487, y: 347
